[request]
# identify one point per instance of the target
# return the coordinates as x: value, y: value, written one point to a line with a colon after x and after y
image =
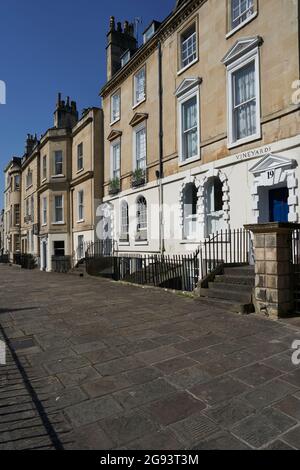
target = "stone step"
x: 237, y: 297
x: 239, y: 288
x: 236, y: 280
x: 243, y: 271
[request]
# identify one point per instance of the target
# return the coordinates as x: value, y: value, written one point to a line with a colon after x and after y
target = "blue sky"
x: 51, y: 46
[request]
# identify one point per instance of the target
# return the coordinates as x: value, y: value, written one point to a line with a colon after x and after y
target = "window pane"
x: 141, y: 149
x: 241, y: 10
x: 142, y: 214
x: 140, y: 86
x: 244, y: 101
x: 188, y: 46
x: 115, y: 107
x: 190, y: 128
x: 124, y: 219
x: 58, y: 163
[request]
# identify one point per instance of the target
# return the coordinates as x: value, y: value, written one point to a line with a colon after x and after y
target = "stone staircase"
x: 232, y: 290
x: 79, y: 270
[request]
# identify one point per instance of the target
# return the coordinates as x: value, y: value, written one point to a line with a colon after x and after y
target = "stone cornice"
x: 171, y: 24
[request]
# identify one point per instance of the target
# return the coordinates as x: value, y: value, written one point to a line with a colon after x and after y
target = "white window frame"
x: 114, y: 119
x: 252, y: 56
x: 181, y: 100
x: 182, y: 67
x: 232, y: 29
x: 45, y: 210
x: 80, y: 157
x: 122, y: 224
x: 44, y: 168
x: 135, y: 81
x: 29, y: 178
x: 59, y: 222
x: 62, y: 163
x: 80, y: 206
x: 115, y: 143
x: 136, y: 130
x: 144, y: 229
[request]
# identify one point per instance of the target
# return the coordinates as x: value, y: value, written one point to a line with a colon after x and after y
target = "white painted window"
x: 29, y: 178
x: 140, y: 144
x: 58, y: 163
x: 149, y: 33
x: 44, y: 211
x: 142, y: 219
x: 188, y: 50
x: 124, y: 221
x: 241, y: 10
x: 17, y: 183
x: 80, y: 206
x: 244, y: 100
x: 140, y: 86
x: 58, y: 209
x: 44, y: 167
x: 115, y: 107
x: 125, y: 58
x: 116, y: 159
x: 80, y: 157
x: 189, y: 127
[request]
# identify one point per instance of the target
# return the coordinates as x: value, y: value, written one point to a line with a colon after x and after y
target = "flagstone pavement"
x: 93, y: 364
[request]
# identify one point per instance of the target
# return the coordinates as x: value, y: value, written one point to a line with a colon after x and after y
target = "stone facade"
x: 218, y: 50
x: 65, y: 161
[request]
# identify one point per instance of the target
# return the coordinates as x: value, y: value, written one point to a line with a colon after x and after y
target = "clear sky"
x: 47, y: 46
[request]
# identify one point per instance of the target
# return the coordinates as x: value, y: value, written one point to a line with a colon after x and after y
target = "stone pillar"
x: 273, y: 295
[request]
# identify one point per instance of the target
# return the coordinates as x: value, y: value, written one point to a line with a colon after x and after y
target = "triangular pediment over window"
x: 114, y: 135
x: 187, y: 85
x: 271, y: 162
x: 241, y: 47
x: 138, y: 118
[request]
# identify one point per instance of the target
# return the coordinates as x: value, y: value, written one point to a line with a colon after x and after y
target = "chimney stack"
x: 119, y: 41
x: 66, y: 114
x: 31, y: 142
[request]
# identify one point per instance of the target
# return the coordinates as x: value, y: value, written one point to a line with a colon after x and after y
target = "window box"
x: 114, y: 186
x: 139, y: 178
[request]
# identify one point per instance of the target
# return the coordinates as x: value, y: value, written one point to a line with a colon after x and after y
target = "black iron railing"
x: 101, y: 248
x: 61, y: 264
x: 178, y: 272
x: 25, y: 260
x: 231, y: 247
x: 4, y: 259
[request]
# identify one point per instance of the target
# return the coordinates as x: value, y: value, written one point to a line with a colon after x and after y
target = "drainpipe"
x: 160, y: 173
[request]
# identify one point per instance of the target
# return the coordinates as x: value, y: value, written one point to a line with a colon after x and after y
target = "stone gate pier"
x: 274, y: 273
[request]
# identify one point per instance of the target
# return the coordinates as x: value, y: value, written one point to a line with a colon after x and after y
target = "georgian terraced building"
x: 52, y: 192
x: 202, y: 123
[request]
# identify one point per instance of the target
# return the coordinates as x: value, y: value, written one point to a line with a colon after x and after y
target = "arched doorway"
x: 213, y: 205
x: 190, y: 205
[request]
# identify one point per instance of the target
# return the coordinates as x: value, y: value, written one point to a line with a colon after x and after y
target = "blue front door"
x: 279, y: 208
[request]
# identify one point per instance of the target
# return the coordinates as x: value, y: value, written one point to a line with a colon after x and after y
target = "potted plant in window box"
x: 114, y: 186
x: 138, y: 177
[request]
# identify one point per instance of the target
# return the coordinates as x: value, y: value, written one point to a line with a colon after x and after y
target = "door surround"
x: 269, y: 172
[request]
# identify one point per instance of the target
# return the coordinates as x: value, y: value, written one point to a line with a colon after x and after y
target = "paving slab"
x: 98, y: 365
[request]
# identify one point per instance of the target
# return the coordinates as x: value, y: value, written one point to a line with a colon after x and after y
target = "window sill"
x: 29, y: 187
x: 187, y: 66
x: 44, y: 180
x: 57, y: 176
x: 124, y: 243
x: 80, y: 221
x: 139, y: 103
x: 44, y: 225
x: 141, y: 243
x: 79, y: 171
x: 240, y: 26
x: 58, y: 223
x: 189, y: 160
x: 246, y: 140
x: 115, y: 121
x: 189, y: 242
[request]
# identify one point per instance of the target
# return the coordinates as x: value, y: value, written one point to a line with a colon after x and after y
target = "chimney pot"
x: 112, y: 23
